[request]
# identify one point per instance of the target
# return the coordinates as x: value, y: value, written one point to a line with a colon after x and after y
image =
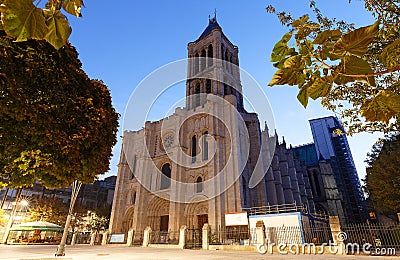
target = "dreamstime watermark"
x: 229, y: 130
x: 339, y: 247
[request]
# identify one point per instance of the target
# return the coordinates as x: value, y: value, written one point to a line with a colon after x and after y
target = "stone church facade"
x: 192, y: 167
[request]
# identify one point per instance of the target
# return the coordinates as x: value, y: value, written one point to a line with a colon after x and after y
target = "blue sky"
x: 122, y: 42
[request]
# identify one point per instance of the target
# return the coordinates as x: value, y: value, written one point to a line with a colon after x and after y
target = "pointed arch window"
x: 196, y: 63
x: 194, y: 148
x: 317, y: 184
x: 197, y: 96
x: 244, y: 187
x: 208, y: 86
x: 134, y: 198
x: 230, y: 64
x: 203, y: 60
x: 210, y: 55
x: 199, y: 185
x: 205, y: 146
x: 165, y: 176
x: 133, y: 167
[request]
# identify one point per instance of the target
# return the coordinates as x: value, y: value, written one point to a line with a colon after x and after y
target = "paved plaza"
x: 25, y: 252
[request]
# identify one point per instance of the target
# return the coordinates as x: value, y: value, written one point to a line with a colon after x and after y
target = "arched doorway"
x: 196, y: 215
x: 158, y: 214
x: 127, y: 223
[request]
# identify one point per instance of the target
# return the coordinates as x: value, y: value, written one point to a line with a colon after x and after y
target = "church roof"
x: 212, y: 23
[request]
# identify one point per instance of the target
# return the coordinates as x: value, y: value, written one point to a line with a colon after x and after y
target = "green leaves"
x: 56, y: 125
x: 323, y: 36
x: 73, y: 7
x: 346, y: 70
x: 303, y: 97
x: 300, y: 21
x: 23, y: 20
x: 383, y: 175
x: 356, y: 42
x: 281, y: 49
x: 390, y: 56
x: 290, y: 73
x: 58, y: 28
x: 320, y: 87
x: 382, y: 107
x: 355, y: 68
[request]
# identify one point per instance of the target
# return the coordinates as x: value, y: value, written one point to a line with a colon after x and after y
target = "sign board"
x: 236, y: 219
x: 117, y: 238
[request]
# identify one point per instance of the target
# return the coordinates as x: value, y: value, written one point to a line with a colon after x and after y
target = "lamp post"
x: 74, y: 194
x: 11, y: 219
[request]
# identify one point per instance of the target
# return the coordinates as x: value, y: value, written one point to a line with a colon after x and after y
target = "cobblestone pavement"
x: 84, y: 252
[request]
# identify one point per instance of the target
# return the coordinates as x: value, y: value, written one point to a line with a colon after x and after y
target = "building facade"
x: 334, y: 149
x: 213, y: 130
x: 94, y: 196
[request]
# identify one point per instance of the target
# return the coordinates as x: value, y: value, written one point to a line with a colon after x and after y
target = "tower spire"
x: 214, y: 19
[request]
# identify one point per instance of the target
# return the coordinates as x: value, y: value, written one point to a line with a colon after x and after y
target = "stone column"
x: 205, y: 237
x: 337, y: 235
x: 129, y: 240
x: 104, y: 239
x: 146, y: 237
x: 182, y: 237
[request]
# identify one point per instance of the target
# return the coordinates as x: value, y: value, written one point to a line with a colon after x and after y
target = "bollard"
x: 337, y: 234
x: 182, y: 237
x: 129, y: 240
x: 260, y: 233
x: 93, y: 238
x: 146, y: 237
x: 105, y: 237
x: 205, y: 241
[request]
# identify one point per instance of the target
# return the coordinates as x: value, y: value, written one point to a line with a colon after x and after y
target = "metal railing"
x: 232, y: 236
x: 378, y: 235
x: 83, y: 238
x: 193, y: 238
x: 317, y: 235
x: 273, y: 209
x: 164, y: 237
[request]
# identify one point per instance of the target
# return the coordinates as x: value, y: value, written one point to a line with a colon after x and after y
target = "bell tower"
x: 213, y: 68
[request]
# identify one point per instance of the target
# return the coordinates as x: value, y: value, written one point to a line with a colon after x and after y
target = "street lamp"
x: 15, y: 204
x: 24, y: 203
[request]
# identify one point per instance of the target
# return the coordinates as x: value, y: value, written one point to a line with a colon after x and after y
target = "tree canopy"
x: 355, y: 71
x: 24, y: 19
x: 383, y: 175
x: 49, y: 210
x: 56, y: 124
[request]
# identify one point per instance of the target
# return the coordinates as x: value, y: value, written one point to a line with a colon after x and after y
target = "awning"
x: 37, y: 225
